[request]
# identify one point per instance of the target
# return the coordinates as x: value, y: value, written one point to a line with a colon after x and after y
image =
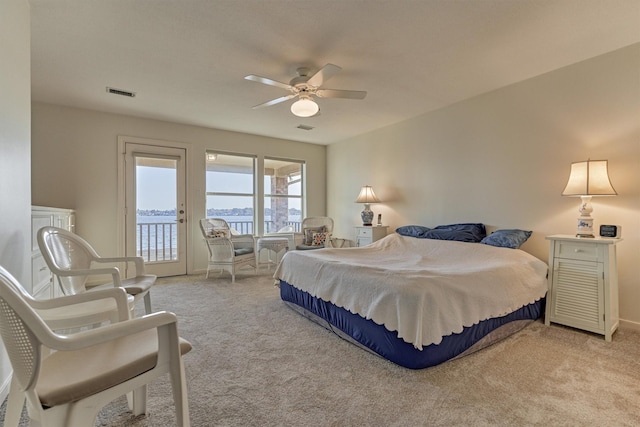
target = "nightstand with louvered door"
x: 583, y: 284
x: 366, y: 235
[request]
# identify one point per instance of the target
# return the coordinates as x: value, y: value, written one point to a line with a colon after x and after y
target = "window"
x: 283, y: 194
x: 230, y: 189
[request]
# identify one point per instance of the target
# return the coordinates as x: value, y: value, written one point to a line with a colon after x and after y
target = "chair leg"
x: 15, y: 403
x: 179, y: 388
x: 147, y: 303
x: 138, y: 400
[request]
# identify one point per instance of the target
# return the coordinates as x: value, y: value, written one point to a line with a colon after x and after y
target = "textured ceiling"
x: 186, y: 59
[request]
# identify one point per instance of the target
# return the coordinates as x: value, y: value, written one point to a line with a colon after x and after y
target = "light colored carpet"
x: 256, y: 362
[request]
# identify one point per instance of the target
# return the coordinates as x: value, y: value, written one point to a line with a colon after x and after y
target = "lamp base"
x: 585, y: 222
x: 367, y: 215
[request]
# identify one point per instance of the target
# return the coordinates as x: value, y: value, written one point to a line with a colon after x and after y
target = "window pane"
x: 229, y: 174
x: 283, y: 195
x: 280, y: 212
x: 282, y: 177
x: 156, y: 201
x: 236, y: 210
x: 229, y: 182
x: 230, y: 190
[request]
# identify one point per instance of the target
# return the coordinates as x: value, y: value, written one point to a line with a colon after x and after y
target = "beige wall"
x: 503, y: 159
x: 75, y: 165
x: 15, y: 168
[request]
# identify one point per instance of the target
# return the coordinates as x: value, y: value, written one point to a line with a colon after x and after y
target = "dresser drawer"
x: 364, y: 232
x: 577, y: 250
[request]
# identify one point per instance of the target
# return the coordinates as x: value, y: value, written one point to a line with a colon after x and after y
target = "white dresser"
x: 583, y: 284
x: 366, y: 235
x: 41, y: 277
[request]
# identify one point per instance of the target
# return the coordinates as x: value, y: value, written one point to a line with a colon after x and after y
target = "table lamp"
x: 588, y: 178
x: 367, y: 196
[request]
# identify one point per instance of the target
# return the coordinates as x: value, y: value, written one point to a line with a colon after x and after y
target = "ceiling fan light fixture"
x: 304, y: 107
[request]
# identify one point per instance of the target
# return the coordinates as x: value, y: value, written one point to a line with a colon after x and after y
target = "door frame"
x: 121, y: 208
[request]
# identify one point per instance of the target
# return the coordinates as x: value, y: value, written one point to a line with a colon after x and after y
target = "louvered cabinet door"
x: 578, y: 294
x: 583, y: 284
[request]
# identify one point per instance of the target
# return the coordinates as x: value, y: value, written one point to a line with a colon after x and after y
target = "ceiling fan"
x: 305, y: 87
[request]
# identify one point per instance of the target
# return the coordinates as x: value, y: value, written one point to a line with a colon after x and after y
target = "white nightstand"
x: 366, y: 235
x: 583, y: 284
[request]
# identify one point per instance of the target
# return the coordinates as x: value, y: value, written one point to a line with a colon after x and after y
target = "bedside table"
x: 366, y: 235
x: 583, y: 284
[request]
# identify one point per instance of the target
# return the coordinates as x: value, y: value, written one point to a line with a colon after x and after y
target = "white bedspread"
x: 424, y: 289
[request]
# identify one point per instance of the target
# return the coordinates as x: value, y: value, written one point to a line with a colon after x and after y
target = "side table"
x: 366, y: 235
x: 583, y: 284
x: 275, y: 244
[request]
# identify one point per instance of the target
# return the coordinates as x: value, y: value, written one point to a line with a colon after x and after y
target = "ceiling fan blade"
x: 267, y: 81
x: 323, y: 74
x: 274, y: 101
x: 335, y: 93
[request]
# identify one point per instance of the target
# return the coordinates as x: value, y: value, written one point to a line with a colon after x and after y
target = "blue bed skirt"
x: 387, y: 344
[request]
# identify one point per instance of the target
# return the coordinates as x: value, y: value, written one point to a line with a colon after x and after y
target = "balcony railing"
x: 158, y: 241
x: 246, y: 227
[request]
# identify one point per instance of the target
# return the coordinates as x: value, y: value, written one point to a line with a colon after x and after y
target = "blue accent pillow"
x: 467, y: 232
x: 507, y: 238
x: 412, y: 230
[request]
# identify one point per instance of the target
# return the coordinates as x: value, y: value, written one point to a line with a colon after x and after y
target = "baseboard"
x: 628, y: 324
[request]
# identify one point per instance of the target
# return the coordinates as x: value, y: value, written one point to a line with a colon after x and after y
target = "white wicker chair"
x: 83, y: 372
x: 72, y: 260
x: 227, y: 251
x: 318, y: 225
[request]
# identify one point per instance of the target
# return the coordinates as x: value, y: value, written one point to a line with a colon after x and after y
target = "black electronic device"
x: 610, y: 231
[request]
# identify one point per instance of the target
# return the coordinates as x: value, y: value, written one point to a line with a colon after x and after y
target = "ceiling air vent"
x: 120, y: 92
x: 305, y: 127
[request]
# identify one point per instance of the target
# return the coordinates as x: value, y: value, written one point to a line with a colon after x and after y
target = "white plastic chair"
x: 73, y: 261
x: 69, y: 385
x: 227, y: 251
x: 318, y: 225
x: 70, y: 312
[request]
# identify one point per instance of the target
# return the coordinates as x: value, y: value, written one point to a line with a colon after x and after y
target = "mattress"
x: 377, y: 339
x: 423, y: 289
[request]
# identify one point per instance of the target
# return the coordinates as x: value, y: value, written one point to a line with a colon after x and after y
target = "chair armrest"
x: 137, y: 260
x: 243, y: 238
x: 113, y: 271
x: 109, y: 332
x: 118, y: 294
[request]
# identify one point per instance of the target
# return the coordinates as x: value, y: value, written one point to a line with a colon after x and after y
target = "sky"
x: 156, y: 188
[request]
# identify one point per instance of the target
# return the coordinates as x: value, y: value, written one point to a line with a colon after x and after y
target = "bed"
x: 415, y: 300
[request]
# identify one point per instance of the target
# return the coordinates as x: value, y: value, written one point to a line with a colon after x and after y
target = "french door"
x: 155, y: 207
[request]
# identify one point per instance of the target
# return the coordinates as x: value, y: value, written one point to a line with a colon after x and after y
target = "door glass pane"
x: 283, y: 195
x: 156, y: 201
x: 230, y: 190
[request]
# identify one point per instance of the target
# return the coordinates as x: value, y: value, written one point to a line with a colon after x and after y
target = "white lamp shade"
x: 304, y: 107
x: 589, y: 178
x: 367, y: 195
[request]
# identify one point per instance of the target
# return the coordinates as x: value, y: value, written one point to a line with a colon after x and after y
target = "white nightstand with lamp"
x: 367, y: 234
x: 583, y: 274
